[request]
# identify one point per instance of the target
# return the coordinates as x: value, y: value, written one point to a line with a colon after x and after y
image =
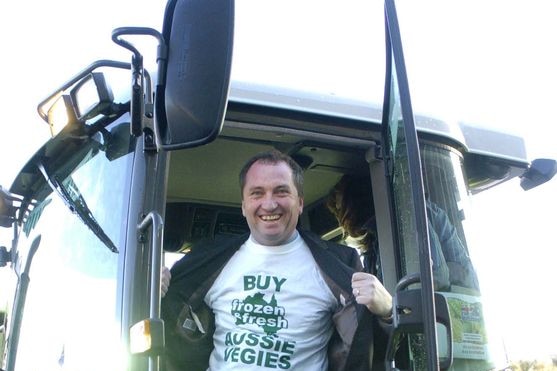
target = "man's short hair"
x: 274, y: 157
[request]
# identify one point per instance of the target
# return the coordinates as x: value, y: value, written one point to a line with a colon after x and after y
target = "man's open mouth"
x: 270, y: 218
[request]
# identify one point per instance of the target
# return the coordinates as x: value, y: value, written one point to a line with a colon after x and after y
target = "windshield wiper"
x: 76, y: 203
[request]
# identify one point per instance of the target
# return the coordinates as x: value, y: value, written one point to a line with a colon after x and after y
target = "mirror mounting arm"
x: 137, y: 104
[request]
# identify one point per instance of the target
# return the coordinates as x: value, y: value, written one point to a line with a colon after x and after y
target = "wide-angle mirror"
x: 193, y: 81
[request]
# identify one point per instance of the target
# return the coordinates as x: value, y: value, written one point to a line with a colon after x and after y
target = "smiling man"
x: 272, y: 200
x: 276, y: 298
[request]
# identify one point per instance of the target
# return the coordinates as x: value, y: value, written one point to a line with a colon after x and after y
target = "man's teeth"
x: 269, y: 218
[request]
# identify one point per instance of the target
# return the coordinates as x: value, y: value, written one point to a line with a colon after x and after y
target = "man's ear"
x: 301, y: 204
x: 243, y: 212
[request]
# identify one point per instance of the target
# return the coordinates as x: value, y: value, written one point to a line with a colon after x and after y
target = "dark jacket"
x: 189, y: 322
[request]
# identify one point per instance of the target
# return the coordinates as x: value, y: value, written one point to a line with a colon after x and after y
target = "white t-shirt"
x: 273, y: 310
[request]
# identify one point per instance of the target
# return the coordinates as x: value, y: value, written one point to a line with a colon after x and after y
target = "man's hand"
x: 165, y: 280
x: 370, y: 292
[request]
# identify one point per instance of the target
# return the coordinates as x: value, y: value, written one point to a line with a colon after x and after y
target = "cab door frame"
x: 402, y: 128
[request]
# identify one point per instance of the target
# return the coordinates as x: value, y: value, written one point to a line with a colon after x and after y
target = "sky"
x: 488, y: 62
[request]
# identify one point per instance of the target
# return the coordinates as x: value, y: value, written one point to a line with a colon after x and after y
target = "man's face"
x: 270, y: 203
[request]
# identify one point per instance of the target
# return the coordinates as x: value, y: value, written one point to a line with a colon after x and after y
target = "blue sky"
x: 487, y: 62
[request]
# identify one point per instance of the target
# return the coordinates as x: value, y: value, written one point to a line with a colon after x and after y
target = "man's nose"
x: 269, y: 202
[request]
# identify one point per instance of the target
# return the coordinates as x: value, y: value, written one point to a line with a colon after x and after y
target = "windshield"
x: 70, y: 194
x: 64, y: 260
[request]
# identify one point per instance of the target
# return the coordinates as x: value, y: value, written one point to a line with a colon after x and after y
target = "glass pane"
x: 474, y: 346
x: 454, y: 275
x: 70, y: 320
x: 445, y: 202
x: 400, y: 184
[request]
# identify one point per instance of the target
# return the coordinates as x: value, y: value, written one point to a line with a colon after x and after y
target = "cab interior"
x: 203, y: 192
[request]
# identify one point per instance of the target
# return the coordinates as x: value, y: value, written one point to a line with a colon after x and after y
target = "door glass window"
x: 70, y: 317
x: 474, y: 345
x: 445, y: 203
x: 453, y: 272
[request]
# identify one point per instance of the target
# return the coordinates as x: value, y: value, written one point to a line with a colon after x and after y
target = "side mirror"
x: 91, y: 96
x: 193, y: 84
x: 61, y: 115
x: 540, y: 171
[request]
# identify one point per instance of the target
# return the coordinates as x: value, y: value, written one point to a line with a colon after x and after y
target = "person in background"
x: 351, y: 202
x: 278, y: 297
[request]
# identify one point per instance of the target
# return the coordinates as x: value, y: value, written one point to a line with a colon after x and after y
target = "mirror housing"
x: 59, y: 97
x: 540, y: 171
x: 91, y: 96
x: 194, y: 80
x: 61, y: 115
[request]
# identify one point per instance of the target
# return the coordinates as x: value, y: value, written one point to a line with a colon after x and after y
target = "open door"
x: 416, y: 307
